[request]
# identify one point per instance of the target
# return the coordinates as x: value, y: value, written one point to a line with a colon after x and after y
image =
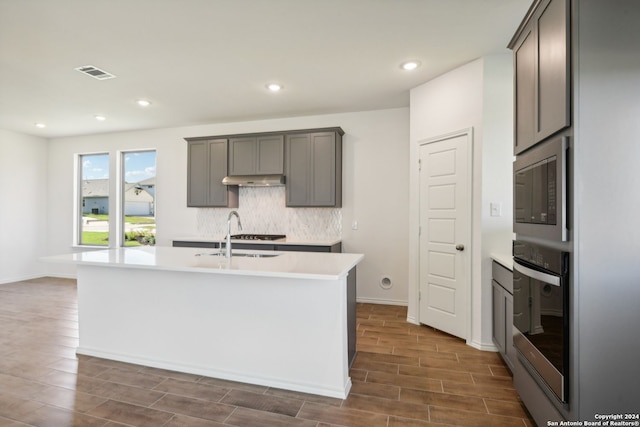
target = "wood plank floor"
x: 403, y: 376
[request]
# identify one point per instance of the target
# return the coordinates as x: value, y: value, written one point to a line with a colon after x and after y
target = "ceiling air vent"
x: 94, y: 72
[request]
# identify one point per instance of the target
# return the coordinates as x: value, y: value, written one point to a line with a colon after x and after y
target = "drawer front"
x: 503, y: 276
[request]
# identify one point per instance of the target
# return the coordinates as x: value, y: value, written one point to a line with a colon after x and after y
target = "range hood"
x: 254, y: 180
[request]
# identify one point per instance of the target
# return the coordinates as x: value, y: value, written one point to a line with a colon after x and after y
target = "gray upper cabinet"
x: 542, y: 74
x: 525, y: 92
x: 207, y: 165
x: 554, y: 88
x: 256, y: 155
x: 313, y: 167
x: 310, y: 159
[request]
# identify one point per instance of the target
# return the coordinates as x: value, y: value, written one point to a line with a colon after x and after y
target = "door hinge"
x: 419, y: 295
x: 419, y: 165
x: 419, y: 230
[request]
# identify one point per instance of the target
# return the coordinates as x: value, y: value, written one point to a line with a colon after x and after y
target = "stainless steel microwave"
x: 540, y: 191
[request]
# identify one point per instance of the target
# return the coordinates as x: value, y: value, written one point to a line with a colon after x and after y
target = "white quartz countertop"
x: 306, y: 265
x: 285, y: 241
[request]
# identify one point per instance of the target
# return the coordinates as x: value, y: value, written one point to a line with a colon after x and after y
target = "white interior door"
x: 445, y: 233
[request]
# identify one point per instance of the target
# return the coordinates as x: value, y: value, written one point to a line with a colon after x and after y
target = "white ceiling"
x: 208, y: 61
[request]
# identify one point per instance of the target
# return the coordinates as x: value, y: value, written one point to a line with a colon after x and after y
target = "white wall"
x: 497, y: 175
x: 375, y: 188
x: 23, y: 207
x: 477, y: 95
x: 376, y: 195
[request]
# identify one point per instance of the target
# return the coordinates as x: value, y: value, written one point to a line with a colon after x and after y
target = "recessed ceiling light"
x: 40, y: 125
x: 100, y: 118
x: 410, y: 65
x: 274, y: 87
x: 143, y: 102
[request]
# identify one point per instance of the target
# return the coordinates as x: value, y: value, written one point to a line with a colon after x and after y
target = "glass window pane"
x: 139, y: 193
x: 94, y: 224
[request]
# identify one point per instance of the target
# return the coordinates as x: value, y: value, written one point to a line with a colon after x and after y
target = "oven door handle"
x: 538, y: 275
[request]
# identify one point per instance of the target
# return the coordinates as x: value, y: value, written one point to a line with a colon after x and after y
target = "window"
x: 131, y: 212
x: 94, y: 197
x: 139, y: 198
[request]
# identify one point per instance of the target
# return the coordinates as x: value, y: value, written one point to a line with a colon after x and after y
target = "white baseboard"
x: 475, y: 344
x: 482, y: 346
x: 62, y: 276
x: 20, y: 278
x: 382, y: 301
x: 413, y: 320
x: 221, y: 374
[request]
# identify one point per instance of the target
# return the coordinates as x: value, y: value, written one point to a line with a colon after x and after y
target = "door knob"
x: 459, y: 247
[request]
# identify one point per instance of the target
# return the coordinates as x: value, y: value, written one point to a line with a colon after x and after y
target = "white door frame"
x: 468, y: 132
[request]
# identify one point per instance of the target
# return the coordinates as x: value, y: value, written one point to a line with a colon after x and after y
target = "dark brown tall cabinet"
x: 577, y: 75
x: 542, y: 74
x: 542, y: 111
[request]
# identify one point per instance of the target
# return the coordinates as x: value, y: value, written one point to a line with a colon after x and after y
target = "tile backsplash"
x: 262, y: 211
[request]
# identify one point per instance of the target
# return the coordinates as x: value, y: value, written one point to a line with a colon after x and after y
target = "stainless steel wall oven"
x: 541, y: 313
x: 540, y: 191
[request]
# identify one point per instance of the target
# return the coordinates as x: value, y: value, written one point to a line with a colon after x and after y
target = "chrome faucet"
x: 232, y: 213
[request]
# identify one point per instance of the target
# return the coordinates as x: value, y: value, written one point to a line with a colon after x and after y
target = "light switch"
x: 496, y: 209
x: 354, y: 225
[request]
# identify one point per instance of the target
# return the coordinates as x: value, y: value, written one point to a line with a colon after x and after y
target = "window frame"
x: 121, y: 192
x: 79, y: 202
x: 116, y: 196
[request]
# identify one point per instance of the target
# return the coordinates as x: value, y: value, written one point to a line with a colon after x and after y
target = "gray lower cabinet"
x: 192, y: 244
x: 256, y: 155
x: 260, y: 246
x: 502, y: 292
x: 207, y: 166
x: 313, y: 168
x: 310, y: 248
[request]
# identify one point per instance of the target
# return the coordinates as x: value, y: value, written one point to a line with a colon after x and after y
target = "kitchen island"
x: 284, y: 320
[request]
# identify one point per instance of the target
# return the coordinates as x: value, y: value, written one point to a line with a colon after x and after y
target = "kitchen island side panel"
x: 281, y: 332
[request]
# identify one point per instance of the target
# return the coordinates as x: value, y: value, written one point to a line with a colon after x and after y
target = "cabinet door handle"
x: 460, y: 247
